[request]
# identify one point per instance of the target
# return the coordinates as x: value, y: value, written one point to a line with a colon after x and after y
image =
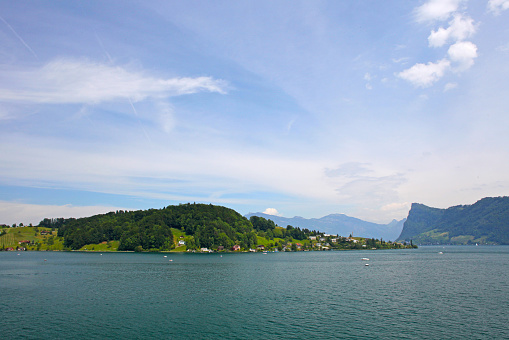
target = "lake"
x: 452, y: 292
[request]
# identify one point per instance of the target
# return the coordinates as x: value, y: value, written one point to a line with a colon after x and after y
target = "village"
x: 320, y: 242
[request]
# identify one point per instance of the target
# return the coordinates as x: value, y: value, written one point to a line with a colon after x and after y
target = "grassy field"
x: 104, y: 246
x: 32, y: 234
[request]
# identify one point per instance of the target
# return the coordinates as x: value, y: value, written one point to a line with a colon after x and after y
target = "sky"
x: 294, y: 108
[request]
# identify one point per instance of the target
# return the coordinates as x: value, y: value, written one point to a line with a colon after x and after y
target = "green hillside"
x: 485, y: 222
x: 31, y: 238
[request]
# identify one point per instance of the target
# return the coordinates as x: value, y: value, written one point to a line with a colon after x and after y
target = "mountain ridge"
x: 339, y: 224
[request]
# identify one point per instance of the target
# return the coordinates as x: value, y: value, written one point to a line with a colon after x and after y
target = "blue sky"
x: 292, y: 107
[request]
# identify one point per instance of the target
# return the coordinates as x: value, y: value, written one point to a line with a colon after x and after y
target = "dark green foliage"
x: 487, y: 219
x: 211, y: 226
x: 262, y: 224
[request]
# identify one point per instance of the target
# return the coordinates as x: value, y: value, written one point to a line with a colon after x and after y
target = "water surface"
x: 404, y: 294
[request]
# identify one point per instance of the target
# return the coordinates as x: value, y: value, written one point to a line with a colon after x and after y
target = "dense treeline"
x: 486, y: 221
x: 267, y: 228
x: 210, y: 226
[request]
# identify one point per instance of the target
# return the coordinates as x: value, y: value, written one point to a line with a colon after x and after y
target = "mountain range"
x: 340, y: 224
x: 484, y: 222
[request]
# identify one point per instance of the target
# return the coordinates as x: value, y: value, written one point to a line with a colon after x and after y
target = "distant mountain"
x: 340, y: 224
x: 486, y: 221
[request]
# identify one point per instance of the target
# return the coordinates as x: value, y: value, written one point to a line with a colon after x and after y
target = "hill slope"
x: 340, y: 224
x: 486, y: 221
x: 151, y: 229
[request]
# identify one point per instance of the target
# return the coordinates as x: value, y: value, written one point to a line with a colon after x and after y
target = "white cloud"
x: 460, y: 28
x: 400, y: 60
x: 272, y: 211
x: 463, y: 54
x: 424, y: 75
x: 496, y: 6
x: 34, y: 213
x: 436, y: 10
x: 80, y: 81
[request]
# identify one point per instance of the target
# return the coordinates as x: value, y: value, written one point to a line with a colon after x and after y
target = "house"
x: 322, y: 239
x: 182, y: 243
x: 260, y: 247
x: 25, y: 241
x: 220, y: 248
x: 312, y: 238
x: 236, y: 247
x: 9, y: 249
x: 334, y: 240
x: 45, y: 232
x: 204, y: 250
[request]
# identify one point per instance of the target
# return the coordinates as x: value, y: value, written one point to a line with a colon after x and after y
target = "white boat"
x: 367, y: 264
x: 365, y: 259
x: 440, y: 252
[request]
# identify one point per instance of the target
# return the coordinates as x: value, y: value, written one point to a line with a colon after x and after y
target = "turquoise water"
x: 403, y: 294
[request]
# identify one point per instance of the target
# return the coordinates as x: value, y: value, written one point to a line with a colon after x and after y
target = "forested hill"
x: 151, y: 229
x: 486, y: 221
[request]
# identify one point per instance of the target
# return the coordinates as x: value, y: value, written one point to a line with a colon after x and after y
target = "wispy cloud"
x: 450, y: 86
x: 34, y: 213
x: 65, y: 81
x: 351, y: 169
x: 497, y: 6
x: 19, y: 38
